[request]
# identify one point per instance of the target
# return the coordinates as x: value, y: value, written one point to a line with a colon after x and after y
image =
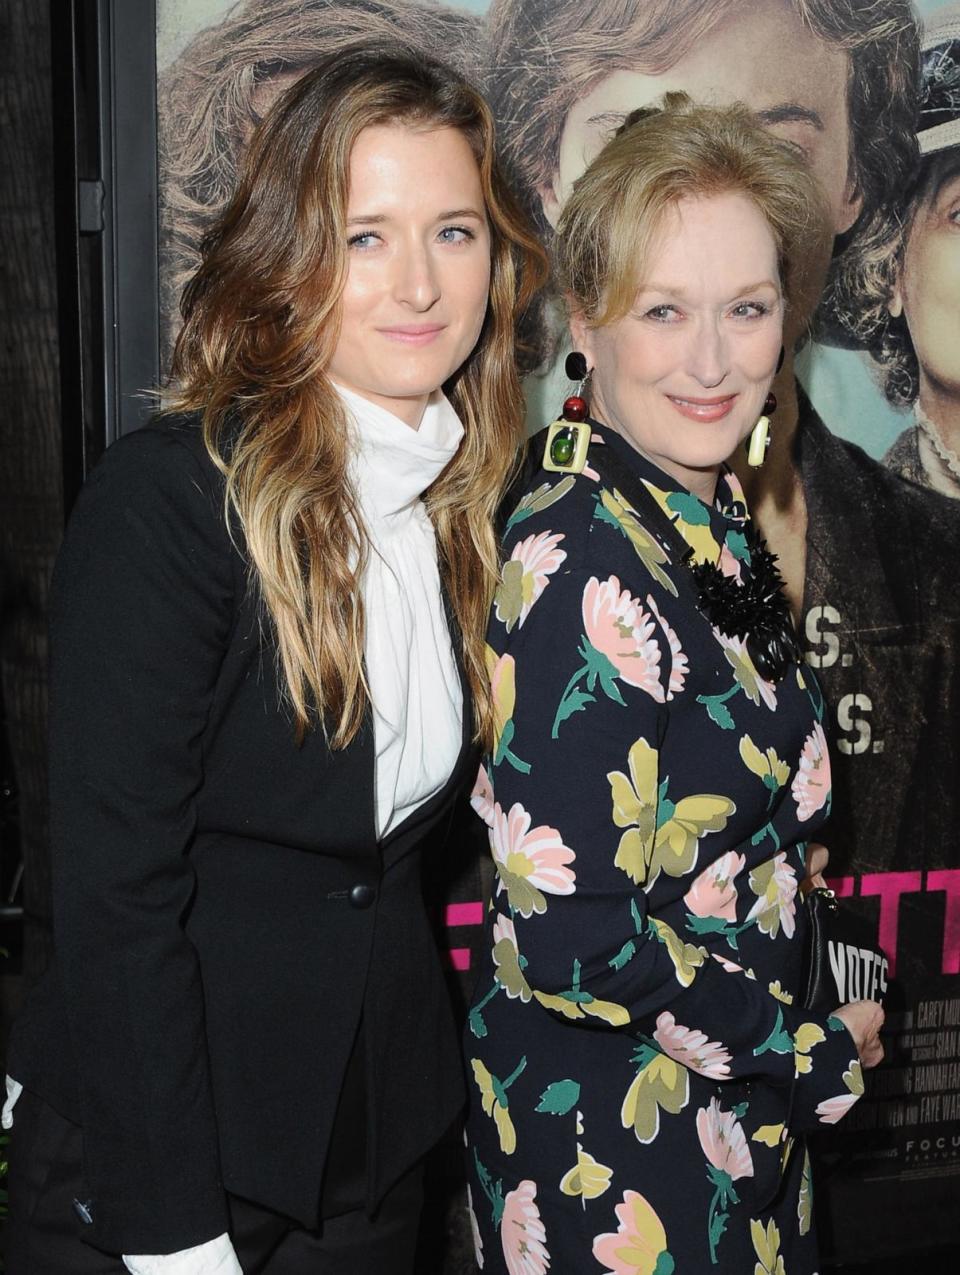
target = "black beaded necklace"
x: 755, y: 611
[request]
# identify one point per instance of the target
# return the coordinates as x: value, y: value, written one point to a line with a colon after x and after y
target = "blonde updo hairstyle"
x: 659, y: 157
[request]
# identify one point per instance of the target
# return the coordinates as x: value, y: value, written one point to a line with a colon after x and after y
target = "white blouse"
x: 415, y: 690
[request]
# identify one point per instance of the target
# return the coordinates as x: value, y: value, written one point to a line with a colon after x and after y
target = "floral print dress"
x: 641, y: 1079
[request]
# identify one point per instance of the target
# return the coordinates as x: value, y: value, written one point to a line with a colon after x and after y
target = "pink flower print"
x: 728, y: 1158
x: 735, y: 488
x: 530, y: 862
x: 811, y: 783
x: 833, y: 1109
x: 482, y: 796
x: 639, y: 1243
x: 680, y: 665
x: 713, y: 892
x: 728, y: 564
x: 691, y: 1048
x: 522, y: 1233
x: 475, y: 1231
x: 525, y: 576
x: 723, y: 1141
x: 617, y: 626
x: 504, y: 928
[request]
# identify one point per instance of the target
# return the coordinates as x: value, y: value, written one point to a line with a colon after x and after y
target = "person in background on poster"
x: 833, y: 79
x: 837, y: 81
x: 217, y: 90
x: 268, y: 674
x: 909, y: 314
x: 643, y: 1070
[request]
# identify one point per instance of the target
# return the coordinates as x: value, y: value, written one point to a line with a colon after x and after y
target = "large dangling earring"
x: 568, y: 439
x: 759, y: 439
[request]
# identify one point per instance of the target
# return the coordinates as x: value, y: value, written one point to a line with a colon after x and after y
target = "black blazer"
x: 223, y: 910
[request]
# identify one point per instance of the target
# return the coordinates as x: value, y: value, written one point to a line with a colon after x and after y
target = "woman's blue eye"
x: 363, y: 239
x: 456, y: 234
x: 749, y: 310
x: 663, y: 314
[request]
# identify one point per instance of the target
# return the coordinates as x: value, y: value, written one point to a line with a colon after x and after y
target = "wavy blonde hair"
x: 261, y: 322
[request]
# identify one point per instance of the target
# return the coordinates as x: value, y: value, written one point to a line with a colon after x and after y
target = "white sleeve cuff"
x: 216, y: 1257
x: 14, y: 1090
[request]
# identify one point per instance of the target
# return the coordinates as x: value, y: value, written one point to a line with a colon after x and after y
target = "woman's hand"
x: 863, y: 1020
x: 818, y: 857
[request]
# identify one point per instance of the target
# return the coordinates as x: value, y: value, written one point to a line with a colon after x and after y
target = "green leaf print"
x: 559, y: 1098
x: 596, y: 668
x: 475, y: 1019
x: 728, y: 930
x: 717, y: 709
x: 691, y: 510
x: 779, y: 1041
x: 535, y: 502
x: 503, y: 752
x: 624, y: 956
x: 629, y: 949
x: 575, y: 702
x: 493, y: 1191
x: 736, y: 542
x: 722, y: 1197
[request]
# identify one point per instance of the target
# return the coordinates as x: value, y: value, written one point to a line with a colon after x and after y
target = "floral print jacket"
x: 649, y: 799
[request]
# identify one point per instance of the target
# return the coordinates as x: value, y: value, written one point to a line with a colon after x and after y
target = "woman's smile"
x: 703, y: 409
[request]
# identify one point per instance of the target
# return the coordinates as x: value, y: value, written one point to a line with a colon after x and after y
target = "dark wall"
x: 31, y: 502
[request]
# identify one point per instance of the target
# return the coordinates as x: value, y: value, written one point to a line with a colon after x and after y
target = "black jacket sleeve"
x: 141, y: 614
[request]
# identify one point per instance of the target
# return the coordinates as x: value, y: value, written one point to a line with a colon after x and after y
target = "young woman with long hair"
x: 268, y: 681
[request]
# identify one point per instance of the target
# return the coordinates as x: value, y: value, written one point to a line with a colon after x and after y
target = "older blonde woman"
x: 642, y: 1077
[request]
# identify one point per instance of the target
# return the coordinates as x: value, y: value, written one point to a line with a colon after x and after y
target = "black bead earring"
x: 575, y: 407
x: 569, y: 437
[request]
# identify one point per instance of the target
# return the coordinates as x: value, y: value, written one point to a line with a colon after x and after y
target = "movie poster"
x: 866, y: 514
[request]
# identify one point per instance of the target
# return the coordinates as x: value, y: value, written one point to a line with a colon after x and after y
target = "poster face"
x: 873, y: 545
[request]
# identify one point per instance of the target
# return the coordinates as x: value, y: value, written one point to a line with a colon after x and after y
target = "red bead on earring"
x: 770, y: 403
x: 574, y: 408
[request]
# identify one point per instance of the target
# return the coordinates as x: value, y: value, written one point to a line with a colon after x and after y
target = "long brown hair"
x: 261, y: 321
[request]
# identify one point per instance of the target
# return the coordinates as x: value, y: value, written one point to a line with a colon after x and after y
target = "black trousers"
x: 44, y: 1237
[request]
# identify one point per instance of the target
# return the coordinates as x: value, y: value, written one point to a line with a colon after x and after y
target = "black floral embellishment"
x: 756, y: 610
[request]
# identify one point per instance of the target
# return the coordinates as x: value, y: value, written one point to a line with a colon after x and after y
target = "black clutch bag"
x: 843, y: 961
